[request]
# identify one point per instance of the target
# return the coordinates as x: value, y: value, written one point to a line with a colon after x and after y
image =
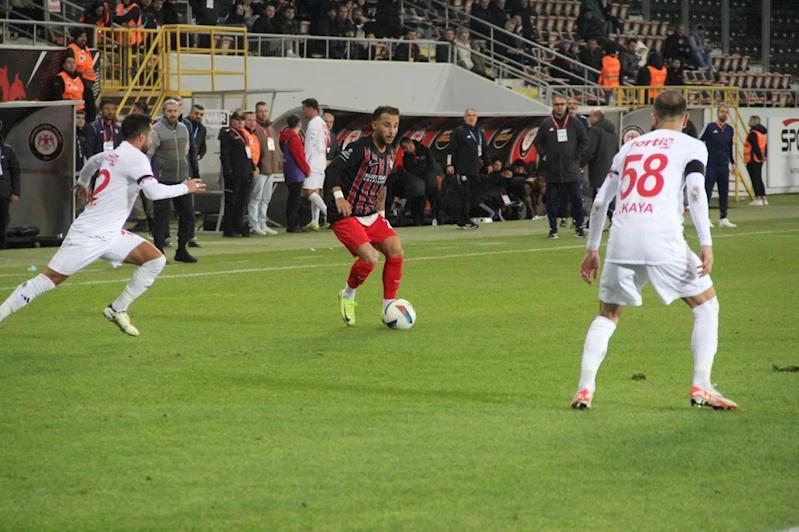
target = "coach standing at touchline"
x: 464, y: 154
x: 9, y: 185
x: 718, y: 137
x: 561, y: 143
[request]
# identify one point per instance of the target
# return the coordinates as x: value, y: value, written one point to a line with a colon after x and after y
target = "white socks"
x: 705, y: 341
x: 142, y: 279
x: 596, y: 345
x: 317, y: 206
x: 386, y: 303
x: 349, y: 293
x: 25, y: 293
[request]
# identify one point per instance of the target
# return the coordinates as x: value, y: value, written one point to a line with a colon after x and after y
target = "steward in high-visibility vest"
x: 84, y: 65
x: 128, y: 14
x: 755, y: 145
x: 611, y: 70
x: 68, y: 85
x: 653, y: 74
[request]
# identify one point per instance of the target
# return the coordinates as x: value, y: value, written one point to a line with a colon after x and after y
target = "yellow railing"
x: 149, y: 64
x: 694, y: 95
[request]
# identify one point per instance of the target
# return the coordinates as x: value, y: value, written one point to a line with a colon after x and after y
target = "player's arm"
x: 381, y: 202
x: 92, y: 166
x: 348, y: 159
x: 158, y: 191
x: 589, y: 269
x: 732, y: 151
x: 700, y: 212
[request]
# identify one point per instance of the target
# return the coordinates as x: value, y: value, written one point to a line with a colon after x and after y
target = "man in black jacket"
x: 603, y: 144
x: 561, y: 143
x: 420, y: 176
x: 197, y: 130
x: 464, y: 154
x: 444, y: 50
x: 9, y: 185
x: 237, y: 171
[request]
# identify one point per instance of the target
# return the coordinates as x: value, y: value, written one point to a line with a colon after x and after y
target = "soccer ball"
x: 399, y: 314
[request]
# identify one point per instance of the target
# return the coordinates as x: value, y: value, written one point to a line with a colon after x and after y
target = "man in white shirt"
x: 317, y: 144
x: 98, y: 234
x: 646, y: 244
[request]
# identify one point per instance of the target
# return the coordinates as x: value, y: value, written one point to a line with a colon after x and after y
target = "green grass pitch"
x: 247, y: 404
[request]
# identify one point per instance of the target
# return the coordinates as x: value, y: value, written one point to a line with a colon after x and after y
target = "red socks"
x: 392, y: 274
x: 359, y: 272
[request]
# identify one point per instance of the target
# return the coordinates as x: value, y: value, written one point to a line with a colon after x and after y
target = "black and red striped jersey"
x: 361, y: 171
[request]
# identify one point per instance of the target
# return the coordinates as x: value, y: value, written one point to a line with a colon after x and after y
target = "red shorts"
x: 353, y: 234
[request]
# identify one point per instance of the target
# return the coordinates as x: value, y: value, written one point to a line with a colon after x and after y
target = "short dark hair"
x: 311, y: 102
x: 104, y: 102
x: 81, y: 112
x: 135, y: 125
x: 259, y: 104
x: 632, y: 40
x: 406, y: 140
x: 385, y: 110
x: 142, y: 106
x: 292, y: 121
x: 519, y: 162
x: 198, y: 106
x: 496, y: 159
x: 670, y: 105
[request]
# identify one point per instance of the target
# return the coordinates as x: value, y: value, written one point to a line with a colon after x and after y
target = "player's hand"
x: 590, y: 266
x: 450, y: 170
x: 343, y: 207
x: 732, y: 169
x: 194, y: 185
x: 14, y: 198
x: 707, y: 260
x: 81, y: 192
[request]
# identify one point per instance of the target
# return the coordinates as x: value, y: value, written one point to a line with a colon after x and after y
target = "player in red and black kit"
x: 355, y: 192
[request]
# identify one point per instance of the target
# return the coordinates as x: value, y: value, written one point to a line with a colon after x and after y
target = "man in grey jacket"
x: 168, y: 154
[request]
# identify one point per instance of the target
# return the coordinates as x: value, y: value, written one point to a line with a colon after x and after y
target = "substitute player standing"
x: 98, y: 233
x: 317, y: 144
x: 647, y: 179
x: 356, y: 196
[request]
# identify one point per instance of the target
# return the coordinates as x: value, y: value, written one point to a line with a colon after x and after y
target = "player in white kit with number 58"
x: 646, y: 244
x: 98, y: 234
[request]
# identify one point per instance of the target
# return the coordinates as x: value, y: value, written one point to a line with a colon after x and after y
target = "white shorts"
x: 79, y: 250
x: 621, y: 284
x: 314, y: 181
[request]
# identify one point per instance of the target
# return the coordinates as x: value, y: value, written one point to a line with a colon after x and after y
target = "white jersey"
x: 317, y: 142
x: 648, y: 179
x: 115, y: 190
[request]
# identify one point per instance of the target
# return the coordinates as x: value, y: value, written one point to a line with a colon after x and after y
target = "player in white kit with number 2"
x: 646, y: 245
x: 98, y: 234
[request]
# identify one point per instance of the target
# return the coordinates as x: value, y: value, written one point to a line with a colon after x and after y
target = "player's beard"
x: 146, y: 147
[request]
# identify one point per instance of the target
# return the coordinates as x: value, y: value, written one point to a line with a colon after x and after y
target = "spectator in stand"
x: 268, y: 165
x: 334, y: 150
x: 614, y: 24
x: 642, y: 51
x: 463, y: 53
x: 362, y: 25
x: 482, y: 12
x: 719, y: 137
x: 295, y: 170
x: 479, y: 61
x: 10, y: 185
x: 508, y: 45
x: 388, y: 19
x: 524, y: 10
x: 629, y: 60
x: 409, y: 51
x: 587, y: 26
x: 80, y: 139
x: 266, y: 23
x: 419, y: 179
x: 237, y: 171
x: 103, y: 134
x: 68, y: 85
x: 603, y: 144
x: 591, y: 56
x: 96, y: 14
x: 325, y: 27
x: 700, y: 48
x: 561, y: 143
x: 653, y: 74
x: 674, y: 74
x: 678, y: 46
x: 754, y: 157
x: 169, y: 155
x: 236, y: 17
x: 611, y: 71
x: 444, y: 50
x: 197, y: 129
x: 287, y: 25
x: 595, y: 8
x: 84, y: 65
x: 150, y: 16
x: 343, y: 24
x: 529, y: 30
x: 128, y: 14
x: 498, y: 13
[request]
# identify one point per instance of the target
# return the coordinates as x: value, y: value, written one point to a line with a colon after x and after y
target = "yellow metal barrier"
x: 148, y: 64
x: 695, y: 95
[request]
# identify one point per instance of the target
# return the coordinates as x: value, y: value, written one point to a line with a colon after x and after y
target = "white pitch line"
x: 344, y: 264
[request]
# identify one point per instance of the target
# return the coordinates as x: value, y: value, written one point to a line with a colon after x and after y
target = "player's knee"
x: 396, y: 252
x: 370, y: 259
x: 156, y: 265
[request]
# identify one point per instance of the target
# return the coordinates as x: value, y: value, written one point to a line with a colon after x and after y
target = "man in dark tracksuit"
x: 464, y: 154
x: 718, y: 137
x: 237, y: 171
x: 603, y: 144
x: 561, y: 143
x: 9, y: 185
x: 420, y: 174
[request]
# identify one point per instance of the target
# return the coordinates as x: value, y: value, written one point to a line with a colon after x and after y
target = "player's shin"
x: 25, y: 293
x: 358, y: 274
x: 142, y: 279
x: 596, y: 345
x: 317, y: 201
x: 392, y: 275
x: 705, y: 341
